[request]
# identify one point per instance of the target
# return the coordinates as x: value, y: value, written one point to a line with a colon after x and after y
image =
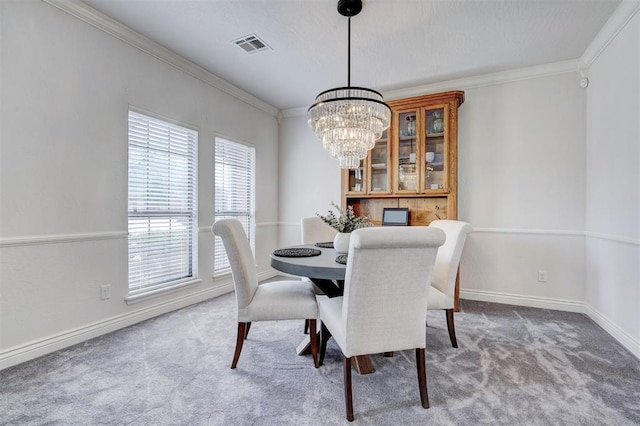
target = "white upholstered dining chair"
x: 275, y: 300
x: 315, y: 230
x: 382, y: 309
x: 445, y: 271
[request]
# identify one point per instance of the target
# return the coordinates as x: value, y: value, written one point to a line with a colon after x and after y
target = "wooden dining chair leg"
x: 306, y: 326
x: 324, y: 336
x: 242, y: 332
x: 451, y: 327
x: 348, y: 398
x: 314, y: 341
x: 422, y: 377
x: 246, y: 332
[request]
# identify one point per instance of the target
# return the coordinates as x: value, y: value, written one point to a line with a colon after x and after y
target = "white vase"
x: 341, y: 242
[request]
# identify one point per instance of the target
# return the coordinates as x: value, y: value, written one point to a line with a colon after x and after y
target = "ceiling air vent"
x: 251, y: 44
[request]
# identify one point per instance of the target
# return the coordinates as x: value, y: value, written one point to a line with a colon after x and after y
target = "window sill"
x: 134, y: 298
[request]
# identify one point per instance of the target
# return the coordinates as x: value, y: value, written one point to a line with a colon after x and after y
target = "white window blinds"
x: 234, y: 192
x: 162, y: 203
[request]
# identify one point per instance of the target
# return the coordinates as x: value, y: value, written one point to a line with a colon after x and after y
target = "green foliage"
x: 346, y: 221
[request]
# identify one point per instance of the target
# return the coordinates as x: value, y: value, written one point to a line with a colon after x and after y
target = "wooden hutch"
x: 413, y: 165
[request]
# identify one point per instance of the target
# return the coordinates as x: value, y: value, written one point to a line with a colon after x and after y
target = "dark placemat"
x: 342, y: 259
x: 297, y: 252
x: 328, y: 244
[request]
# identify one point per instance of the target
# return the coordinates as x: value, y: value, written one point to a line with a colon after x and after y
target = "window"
x: 163, y: 237
x: 234, y: 195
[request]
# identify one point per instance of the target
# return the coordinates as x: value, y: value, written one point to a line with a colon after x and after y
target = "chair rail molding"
x: 562, y: 232
x: 614, y: 238
x: 531, y: 231
x: 33, y: 240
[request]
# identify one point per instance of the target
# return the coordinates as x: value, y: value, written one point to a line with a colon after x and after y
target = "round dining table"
x: 323, y: 269
x: 328, y: 275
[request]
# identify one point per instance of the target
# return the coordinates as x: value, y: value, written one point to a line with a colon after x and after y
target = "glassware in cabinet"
x: 379, y: 166
x: 407, y: 152
x: 356, y: 180
x: 435, y: 157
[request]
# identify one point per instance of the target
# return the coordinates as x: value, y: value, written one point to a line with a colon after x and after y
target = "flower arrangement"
x: 346, y: 221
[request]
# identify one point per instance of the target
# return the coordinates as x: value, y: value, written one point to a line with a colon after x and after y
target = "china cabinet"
x: 413, y: 165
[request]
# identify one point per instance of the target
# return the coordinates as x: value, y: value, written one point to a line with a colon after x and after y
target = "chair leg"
x: 306, y: 326
x: 325, y: 335
x: 314, y: 341
x: 242, y: 332
x: 451, y: 327
x: 348, y: 399
x: 422, y: 377
x: 246, y: 333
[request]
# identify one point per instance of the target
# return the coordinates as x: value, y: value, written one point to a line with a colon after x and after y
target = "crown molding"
x: 618, y: 20
x: 469, y: 82
x: 294, y: 112
x: 501, y: 77
x: 622, y: 15
x: 102, y: 22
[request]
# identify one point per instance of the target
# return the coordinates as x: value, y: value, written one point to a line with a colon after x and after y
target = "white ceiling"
x: 396, y: 44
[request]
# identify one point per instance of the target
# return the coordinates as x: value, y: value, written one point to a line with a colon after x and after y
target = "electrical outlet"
x: 105, y: 292
x: 542, y: 276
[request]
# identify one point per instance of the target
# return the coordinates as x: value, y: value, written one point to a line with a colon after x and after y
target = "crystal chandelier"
x: 349, y: 120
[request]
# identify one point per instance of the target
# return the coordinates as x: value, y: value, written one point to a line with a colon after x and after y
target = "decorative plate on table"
x: 297, y: 252
x: 342, y: 259
x: 328, y: 244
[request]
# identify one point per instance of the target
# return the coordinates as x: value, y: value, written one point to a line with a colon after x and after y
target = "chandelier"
x: 349, y: 120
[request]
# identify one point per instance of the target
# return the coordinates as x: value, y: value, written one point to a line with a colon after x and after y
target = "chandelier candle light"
x: 349, y: 120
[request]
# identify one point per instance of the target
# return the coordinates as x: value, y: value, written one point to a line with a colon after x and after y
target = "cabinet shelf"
x: 436, y: 166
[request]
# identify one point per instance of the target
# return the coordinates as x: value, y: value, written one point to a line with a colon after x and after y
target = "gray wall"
x: 66, y: 90
x: 613, y: 188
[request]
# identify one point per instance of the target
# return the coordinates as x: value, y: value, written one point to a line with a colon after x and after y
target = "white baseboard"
x: 35, y: 349
x: 620, y: 335
x: 615, y: 331
x: 32, y: 350
x: 519, y: 300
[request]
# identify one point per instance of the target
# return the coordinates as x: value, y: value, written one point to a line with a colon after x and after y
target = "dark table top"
x: 320, y: 267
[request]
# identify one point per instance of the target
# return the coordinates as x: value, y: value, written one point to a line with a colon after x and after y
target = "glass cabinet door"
x: 407, y: 134
x: 356, y: 180
x: 435, y: 151
x: 379, y: 166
